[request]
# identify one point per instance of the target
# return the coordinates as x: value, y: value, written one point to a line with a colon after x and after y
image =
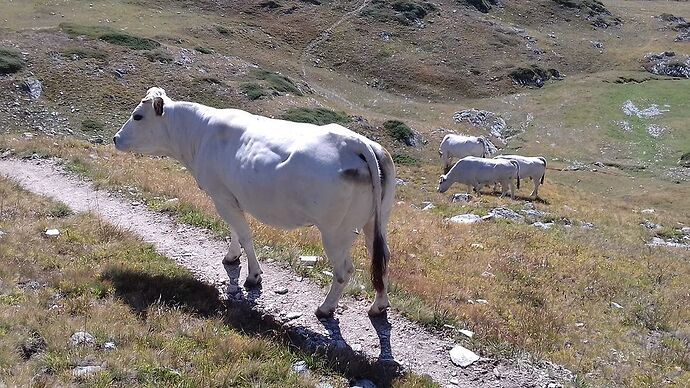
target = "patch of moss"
x: 254, y: 91
x: 110, y: 35
x: 203, y: 50
x: 84, y: 53
x: 158, y: 56
x: 10, y: 61
x: 92, y: 126
x: 318, y: 116
x: 277, y: 82
x: 406, y: 160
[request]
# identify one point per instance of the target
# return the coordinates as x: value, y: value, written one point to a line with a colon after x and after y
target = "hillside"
x: 572, y: 80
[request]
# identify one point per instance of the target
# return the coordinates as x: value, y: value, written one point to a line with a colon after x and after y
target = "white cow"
x: 459, y: 146
x: 477, y: 172
x: 533, y: 167
x: 283, y: 173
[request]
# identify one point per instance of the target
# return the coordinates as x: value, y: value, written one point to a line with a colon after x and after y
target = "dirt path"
x: 351, y: 336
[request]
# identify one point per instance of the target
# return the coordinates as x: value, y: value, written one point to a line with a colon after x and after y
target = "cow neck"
x: 185, y: 130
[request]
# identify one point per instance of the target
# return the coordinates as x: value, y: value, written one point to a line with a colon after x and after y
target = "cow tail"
x: 379, y: 260
x: 542, y: 175
x: 517, y: 165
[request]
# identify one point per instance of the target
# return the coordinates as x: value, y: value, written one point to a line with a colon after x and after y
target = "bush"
x: 10, y: 61
x: 277, y: 82
x: 110, y: 35
x: 254, y: 91
x: 406, y: 160
x: 83, y: 53
x: 399, y: 131
x: 318, y: 116
x: 92, y: 126
x: 158, y: 56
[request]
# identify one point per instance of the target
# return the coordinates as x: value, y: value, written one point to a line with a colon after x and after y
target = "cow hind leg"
x: 535, y: 192
x: 381, y: 302
x: 337, y: 246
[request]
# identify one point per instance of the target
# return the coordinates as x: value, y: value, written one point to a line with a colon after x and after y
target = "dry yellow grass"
x: 550, y: 293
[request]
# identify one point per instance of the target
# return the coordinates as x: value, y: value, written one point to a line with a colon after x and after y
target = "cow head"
x: 444, y: 184
x: 144, y: 131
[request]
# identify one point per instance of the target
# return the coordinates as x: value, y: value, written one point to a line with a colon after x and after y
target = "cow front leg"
x: 233, y: 256
x: 337, y: 248
x: 241, y: 235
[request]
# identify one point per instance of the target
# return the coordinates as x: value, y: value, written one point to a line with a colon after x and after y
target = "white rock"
x: 293, y: 315
x: 462, y: 356
x: 481, y: 301
x: 502, y: 212
x: 461, y: 197
x: 364, y: 384
x: 308, y: 260
x: 82, y: 338
x: 300, y: 367
x: 647, y: 211
x: 467, y: 333
x: 477, y: 245
x: 52, y: 232
x: 579, y: 324
x: 109, y: 346
x: 465, y: 219
x: 281, y: 290
x: 685, y: 230
x: 543, y: 225
x: 616, y: 305
x: 327, y: 273
x: 2, y: 233
x: 88, y: 370
x: 429, y: 206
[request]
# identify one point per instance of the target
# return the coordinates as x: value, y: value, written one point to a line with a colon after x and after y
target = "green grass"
x: 318, y: 116
x: 84, y: 53
x: 159, y: 56
x: 109, y: 35
x: 406, y: 160
x: 10, y: 61
x: 254, y: 91
x: 92, y: 126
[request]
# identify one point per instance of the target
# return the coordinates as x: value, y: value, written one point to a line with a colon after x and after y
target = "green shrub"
x: 84, y: 52
x: 254, y: 91
x: 110, y: 35
x: 318, y: 116
x: 10, y: 61
x: 406, y: 160
x: 399, y: 131
x: 277, y: 82
x: 92, y: 126
x: 158, y: 56
x: 203, y: 50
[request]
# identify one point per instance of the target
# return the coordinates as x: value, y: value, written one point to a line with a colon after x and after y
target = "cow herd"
x: 289, y: 175
x: 475, y: 170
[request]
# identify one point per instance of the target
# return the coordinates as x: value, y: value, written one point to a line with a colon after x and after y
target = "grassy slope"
x: 545, y: 281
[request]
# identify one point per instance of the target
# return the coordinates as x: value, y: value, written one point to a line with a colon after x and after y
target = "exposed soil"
x: 375, y: 348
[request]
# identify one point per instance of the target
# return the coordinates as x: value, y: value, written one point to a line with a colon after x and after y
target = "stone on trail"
x: 363, y: 384
x: 465, y: 218
x: 293, y: 315
x: 462, y: 356
x: 281, y: 290
x: 309, y: 261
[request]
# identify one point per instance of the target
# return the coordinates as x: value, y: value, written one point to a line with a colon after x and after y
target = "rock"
x: 487, y: 121
x: 596, y: 44
x: 668, y: 63
x: 534, y: 76
x: 293, y: 315
x: 428, y: 206
x: 281, y: 290
x: 579, y: 324
x: 647, y: 211
x: 685, y: 230
x: 461, y: 197
x: 300, y: 367
x: 586, y: 225
x: 465, y: 219
x: 82, y: 338
x: 363, y: 383
x: 543, y: 225
x: 481, y: 301
x: 467, y: 333
x: 616, y: 305
x: 650, y: 225
x: 534, y: 214
x: 2, y: 233
x: 5, y: 154
x: 505, y: 213
x: 487, y: 274
x: 660, y: 242
x: 309, y: 261
x: 109, y: 346
x: 400, y: 182
x: 32, y: 345
x: 477, y: 245
x: 172, y: 201
x: 34, y: 87
x: 653, y: 110
x: 85, y: 371
x: 52, y: 233
x: 324, y: 384
x: 462, y: 356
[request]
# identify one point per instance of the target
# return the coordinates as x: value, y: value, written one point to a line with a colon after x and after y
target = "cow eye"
x: 137, y: 117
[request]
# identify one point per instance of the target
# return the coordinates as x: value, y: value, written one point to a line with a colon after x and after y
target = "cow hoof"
x: 252, y: 281
x: 321, y: 314
x: 231, y: 260
x: 376, y: 311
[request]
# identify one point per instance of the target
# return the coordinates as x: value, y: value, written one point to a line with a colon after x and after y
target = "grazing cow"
x: 283, y: 173
x: 477, y: 172
x: 532, y: 167
x: 459, y: 146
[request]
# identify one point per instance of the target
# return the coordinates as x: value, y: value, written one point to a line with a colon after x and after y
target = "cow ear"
x: 158, y: 105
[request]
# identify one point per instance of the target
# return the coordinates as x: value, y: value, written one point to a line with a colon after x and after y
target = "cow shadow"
x: 142, y: 290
